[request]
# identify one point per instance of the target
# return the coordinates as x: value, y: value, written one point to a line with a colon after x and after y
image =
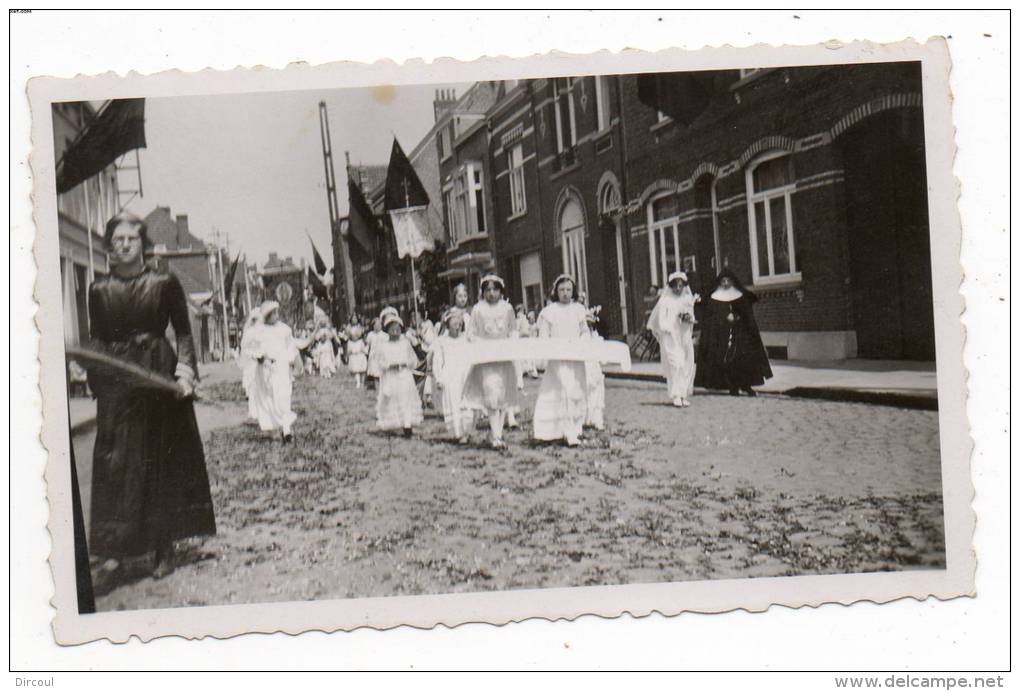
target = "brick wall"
x: 776, y: 109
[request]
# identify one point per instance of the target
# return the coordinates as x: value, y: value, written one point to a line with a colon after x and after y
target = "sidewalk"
x: 884, y: 382
x: 83, y: 410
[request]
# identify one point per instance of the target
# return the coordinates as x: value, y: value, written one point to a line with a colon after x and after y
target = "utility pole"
x: 343, y: 274
x: 247, y: 286
x: 222, y: 292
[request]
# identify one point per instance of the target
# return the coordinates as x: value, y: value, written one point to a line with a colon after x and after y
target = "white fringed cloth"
x: 524, y: 349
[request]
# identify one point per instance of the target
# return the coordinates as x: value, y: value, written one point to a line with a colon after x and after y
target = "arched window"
x: 663, y: 236
x: 770, y: 187
x: 572, y: 228
x: 609, y: 199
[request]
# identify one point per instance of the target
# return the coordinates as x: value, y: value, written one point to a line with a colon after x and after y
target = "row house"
x: 176, y: 249
x: 808, y: 183
x: 81, y: 214
x: 557, y: 156
x: 465, y: 172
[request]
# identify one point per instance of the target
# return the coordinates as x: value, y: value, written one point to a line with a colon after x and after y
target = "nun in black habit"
x: 731, y: 355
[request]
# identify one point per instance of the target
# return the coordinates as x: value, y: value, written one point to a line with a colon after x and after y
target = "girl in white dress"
x: 246, y: 359
x: 460, y: 301
x: 357, y: 355
x: 323, y: 353
x: 672, y: 324
x: 449, y: 373
x: 397, y: 403
x: 562, y: 398
x: 277, y: 351
x: 374, y: 336
x: 524, y: 330
x: 492, y: 387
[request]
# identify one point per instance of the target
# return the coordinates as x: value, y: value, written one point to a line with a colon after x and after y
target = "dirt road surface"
x: 729, y: 488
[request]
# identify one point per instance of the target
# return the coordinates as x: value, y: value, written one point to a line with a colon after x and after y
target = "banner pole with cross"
x: 414, y: 276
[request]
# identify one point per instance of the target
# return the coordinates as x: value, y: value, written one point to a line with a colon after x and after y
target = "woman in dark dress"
x: 149, y: 480
x: 730, y: 352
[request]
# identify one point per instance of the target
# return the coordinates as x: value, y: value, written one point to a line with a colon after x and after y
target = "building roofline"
x: 508, y: 100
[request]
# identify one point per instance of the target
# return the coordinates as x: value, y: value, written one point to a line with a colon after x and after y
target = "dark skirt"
x: 737, y: 364
x: 149, y: 480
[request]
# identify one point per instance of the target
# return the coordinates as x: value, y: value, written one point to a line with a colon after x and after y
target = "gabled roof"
x: 163, y: 230
x: 368, y: 177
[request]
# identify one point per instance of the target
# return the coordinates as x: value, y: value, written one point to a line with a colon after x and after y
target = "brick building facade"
x: 807, y: 182
x: 465, y: 173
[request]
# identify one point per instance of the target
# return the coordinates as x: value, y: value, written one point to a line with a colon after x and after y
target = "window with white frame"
x: 770, y: 187
x: 563, y: 100
x: 452, y: 219
x: 515, y: 164
x: 465, y: 203
x: 477, y: 197
x: 602, y: 102
x: 664, y: 236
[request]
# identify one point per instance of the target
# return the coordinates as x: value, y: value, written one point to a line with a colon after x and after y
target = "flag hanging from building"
x: 360, y: 220
x: 118, y: 128
x: 683, y: 96
x: 407, y: 204
x: 320, y: 265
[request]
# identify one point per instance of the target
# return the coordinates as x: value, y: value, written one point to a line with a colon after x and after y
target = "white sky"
x: 251, y: 165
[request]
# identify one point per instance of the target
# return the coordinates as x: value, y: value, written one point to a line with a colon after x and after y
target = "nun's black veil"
x: 737, y: 283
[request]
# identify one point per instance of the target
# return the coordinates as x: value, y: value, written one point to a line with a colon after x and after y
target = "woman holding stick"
x: 150, y: 486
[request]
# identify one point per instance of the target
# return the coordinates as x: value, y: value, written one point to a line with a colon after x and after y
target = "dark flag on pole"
x: 360, y: 221
x: 318, y: 287
x: 117, y: 129
x: 407, y: 203
x: 228, y: 281
x: 320, y: 265
x: 403, y: 188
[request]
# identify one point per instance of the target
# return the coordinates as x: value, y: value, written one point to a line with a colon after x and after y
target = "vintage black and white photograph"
x: 501, y: 335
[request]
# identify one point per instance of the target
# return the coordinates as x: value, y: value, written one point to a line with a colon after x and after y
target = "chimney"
x: 273, y: 259
x: 444, y: 102
x: 183, y: 237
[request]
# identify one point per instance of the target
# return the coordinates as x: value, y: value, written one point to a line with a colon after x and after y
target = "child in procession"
x: 374, y: 336
x: 246, y: 359
x: 397, y: 403
x: 357, y: 355
x: 323, y: 353
x: 492, y: 387
x: 562, y: 403
x: 450, y: 373
x: 277, y: 351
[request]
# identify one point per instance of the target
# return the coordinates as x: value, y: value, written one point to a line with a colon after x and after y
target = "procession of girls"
x: 412, y: 368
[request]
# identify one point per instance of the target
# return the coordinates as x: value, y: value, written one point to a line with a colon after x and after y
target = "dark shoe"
x: 288, y: 439
x: 407, y: 431
x: 734, y: 392
x: 750, y: 392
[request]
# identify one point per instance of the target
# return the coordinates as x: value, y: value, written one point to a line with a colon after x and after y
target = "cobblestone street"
x: 731, y: 487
